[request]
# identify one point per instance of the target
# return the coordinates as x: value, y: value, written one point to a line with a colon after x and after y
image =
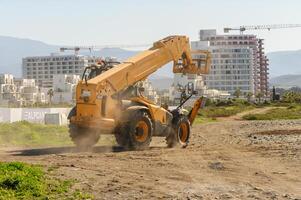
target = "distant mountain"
x: 284, y: 62
x: 286, y: 81
x: 12, y: 50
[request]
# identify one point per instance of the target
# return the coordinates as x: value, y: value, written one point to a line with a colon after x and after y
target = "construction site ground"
x: 229, y: 159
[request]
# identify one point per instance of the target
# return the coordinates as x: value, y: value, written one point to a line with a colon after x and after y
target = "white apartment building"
x: 8, y: 90
x: 44, y: 68
x: 149, y: 92
x: 29, y: 92
x: 64, y: 88
x: 19, y: 92
x: 232, y: 69
x: 235, y: 62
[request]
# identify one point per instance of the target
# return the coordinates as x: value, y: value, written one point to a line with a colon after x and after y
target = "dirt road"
x: 225, y: 160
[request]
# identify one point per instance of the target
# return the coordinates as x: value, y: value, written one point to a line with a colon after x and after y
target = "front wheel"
x: 135, y: 134
x: 179, y: 133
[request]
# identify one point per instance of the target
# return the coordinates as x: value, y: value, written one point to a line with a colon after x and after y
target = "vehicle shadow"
x: 62, y: 150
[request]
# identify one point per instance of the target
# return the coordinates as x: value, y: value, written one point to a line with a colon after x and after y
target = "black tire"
x: 120, y: 136
x: 83, y: 137
x: 72, y: 113
x: 179, y: 134
x: 137, y: 133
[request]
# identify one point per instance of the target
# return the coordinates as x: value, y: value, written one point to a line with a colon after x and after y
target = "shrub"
x: 23, y: 181
x: 277, y: 113
x: 25, y: 133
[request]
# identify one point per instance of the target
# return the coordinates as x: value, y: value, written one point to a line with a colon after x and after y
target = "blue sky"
x: 98, y: 22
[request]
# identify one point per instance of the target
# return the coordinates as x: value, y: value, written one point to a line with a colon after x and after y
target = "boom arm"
x: 199, y: 103
x: 139, y: 67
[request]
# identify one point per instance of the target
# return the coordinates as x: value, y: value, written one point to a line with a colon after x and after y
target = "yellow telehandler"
x: 109, y: 99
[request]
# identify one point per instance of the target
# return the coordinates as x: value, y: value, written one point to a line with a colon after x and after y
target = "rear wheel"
x: 179, y: 133
x: 83, y: 137
x: 137, y: 133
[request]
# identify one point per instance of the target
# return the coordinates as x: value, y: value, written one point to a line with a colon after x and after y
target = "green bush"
x: 18, y: 180
x: 277, y: 113
x: 224, y: 103
x: 225, y: 111
x: 24, y: 181
x: 291, y: 97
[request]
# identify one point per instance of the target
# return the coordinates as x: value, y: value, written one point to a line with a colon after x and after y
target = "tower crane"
x: 76, y: 49
x: 243, y: 28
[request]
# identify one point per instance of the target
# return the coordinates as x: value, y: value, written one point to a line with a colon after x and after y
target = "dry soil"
x: 225, y: 160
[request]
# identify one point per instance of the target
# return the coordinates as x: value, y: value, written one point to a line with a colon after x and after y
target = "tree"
x: 259, y: 95
x: 249, y: 96
x: 292, y: 97
x: 50, y: 94
x: 237, y: 93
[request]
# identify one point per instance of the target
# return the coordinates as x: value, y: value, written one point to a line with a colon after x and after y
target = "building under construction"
x: 238, y: 62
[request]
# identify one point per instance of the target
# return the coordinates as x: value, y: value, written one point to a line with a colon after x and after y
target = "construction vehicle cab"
x: 109, y: 99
